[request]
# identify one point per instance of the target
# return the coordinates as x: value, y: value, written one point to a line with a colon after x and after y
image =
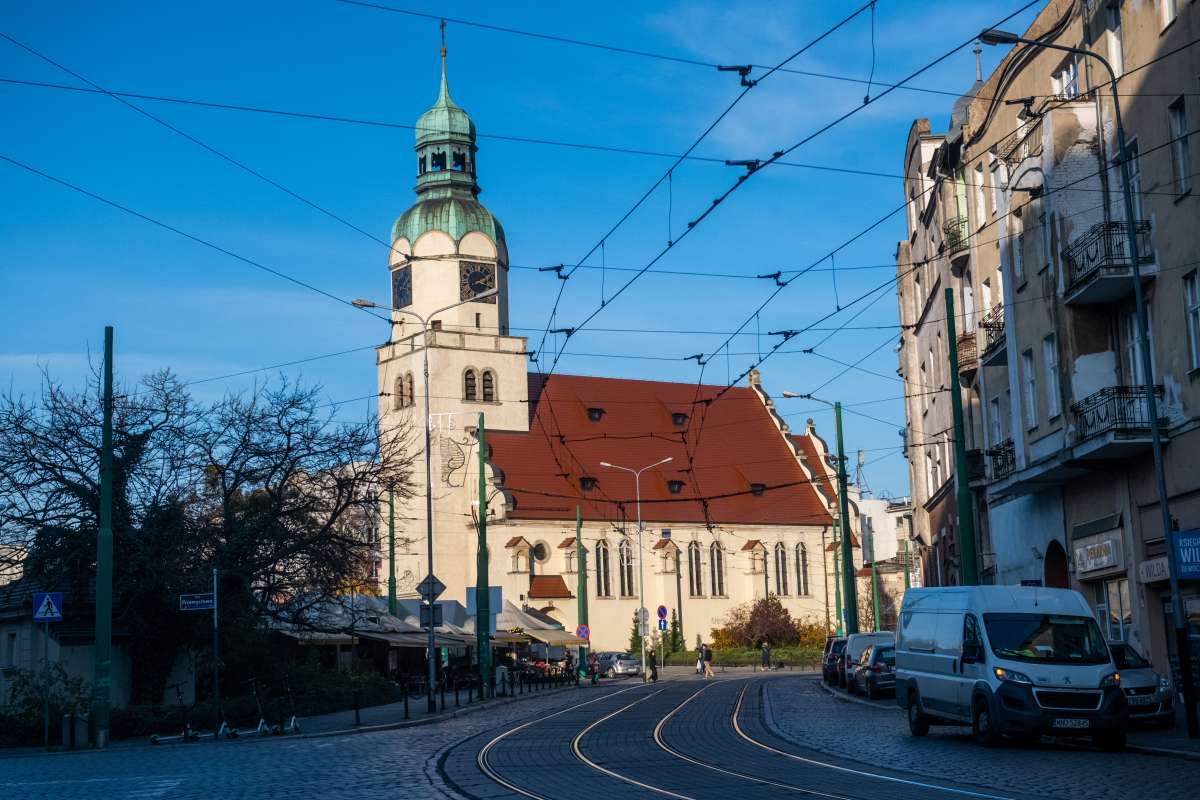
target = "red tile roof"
x: 515, y: 541
x: 853, y: 543
x: 812, y: 457
x: 661, y: 543
x: 567, y: 542
x: 733, y: 440
x: 751, y: 544
x: 548, y: 587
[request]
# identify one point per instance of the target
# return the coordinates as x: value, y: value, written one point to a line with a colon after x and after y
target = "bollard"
x: 357, y: 719
x: 456, y: 705
x: 443, y: 695
x: 405, y: 691
x: 512, y: 683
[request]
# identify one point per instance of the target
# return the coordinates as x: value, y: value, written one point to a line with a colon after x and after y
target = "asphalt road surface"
x: 743, y: 737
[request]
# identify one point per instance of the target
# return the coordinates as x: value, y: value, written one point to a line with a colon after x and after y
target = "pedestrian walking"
x: 708, y: 655
x: 700, y: 660
x: 766, y: 654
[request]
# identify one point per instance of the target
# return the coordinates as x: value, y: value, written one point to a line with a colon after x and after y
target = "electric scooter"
x: 291, y: 725
x: 263, y: 728
x: 187, y: 735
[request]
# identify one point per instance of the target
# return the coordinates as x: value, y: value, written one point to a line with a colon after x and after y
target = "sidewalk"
x: 1173, y: 743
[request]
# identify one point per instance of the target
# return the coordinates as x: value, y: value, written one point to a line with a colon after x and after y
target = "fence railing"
x: 1104, y: 246
x: 1121, y: 410
x: 992, y: 325
x: 1002, y: 460
x: 1025, y: 142
x: 957, y: 235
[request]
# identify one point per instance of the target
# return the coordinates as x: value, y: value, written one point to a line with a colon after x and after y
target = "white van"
x: 1009, y: 661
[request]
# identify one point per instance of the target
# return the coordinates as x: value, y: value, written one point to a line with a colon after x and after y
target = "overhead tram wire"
x: 174, y: 129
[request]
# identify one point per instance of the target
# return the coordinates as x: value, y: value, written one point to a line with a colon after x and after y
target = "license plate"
x: 1068, y: 722
x: 1141, y: 700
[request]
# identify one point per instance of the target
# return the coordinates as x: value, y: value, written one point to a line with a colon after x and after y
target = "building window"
x: 408, y: 388
x: 489, y: 386
x: 1135, y: 177
x: 603, y: 585
x: 1068, y: 80
x: 398, y: 394
x: 980, y: 202
x: 469, y: 385
x: 781, y: 575
x: 716, y: 567
x: 625, y: 571
x: 1113, y: 609
x: 1177, y: 125
x: 1116, y: 50
x: 569, y: 559
x: 1016, y: 246
x: 757, y: 489
x: 1053, y: 388
x: 1133, y: 349
x: 1191, y: 301
x: 1170, y: 10
x: 994, y: 428
x: 802, y: 586
x: 996, y: 186
x: 924, y: 389
x: 1029, y: 389
x: 587, y: 483
x: 674, y: 487
x: 695, y: 582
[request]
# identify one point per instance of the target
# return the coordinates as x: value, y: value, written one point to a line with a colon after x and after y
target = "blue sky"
x: 69, y: 265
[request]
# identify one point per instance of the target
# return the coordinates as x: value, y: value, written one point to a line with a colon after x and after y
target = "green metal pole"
x: 483, y: 638
x: 966, y: 517
x: 875, y: 594
x: 391, y: 549
x: 581, y: 603
x: 101, y: 676
x: 851, y: 592
x: 906, y: 565
x: 837, y: 577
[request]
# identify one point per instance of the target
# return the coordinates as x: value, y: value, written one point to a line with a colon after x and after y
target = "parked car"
x: 613, y: 664
x: 875, y: 672
x: 1008, y: 661
x: 833, y: 648
x: 1151, y: 696
x: 856, y: 643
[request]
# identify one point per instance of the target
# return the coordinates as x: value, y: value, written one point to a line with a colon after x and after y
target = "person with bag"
x: 708, y: 656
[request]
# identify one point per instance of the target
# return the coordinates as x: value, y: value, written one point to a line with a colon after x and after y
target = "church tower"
x: 446, y: 249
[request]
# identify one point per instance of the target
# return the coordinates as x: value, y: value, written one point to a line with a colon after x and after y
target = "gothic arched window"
x: 469, y: 389
x: 695, y: 576
x: 437, y: 162
x: 781, y: 575
x: 398, y: 394
x: 603, y: 586
x: 625, y: 571
x: 716, y: 568
x: 489, y: 386
x: 802, y: 584
x: 408, y: 389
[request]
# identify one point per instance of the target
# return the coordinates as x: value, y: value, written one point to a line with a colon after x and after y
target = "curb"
x: 1162, y: 752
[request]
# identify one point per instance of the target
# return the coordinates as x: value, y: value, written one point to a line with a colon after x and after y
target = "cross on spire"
x: 443, y: 27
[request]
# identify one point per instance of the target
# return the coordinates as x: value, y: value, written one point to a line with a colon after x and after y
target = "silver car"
x: 613, y: 664
x: 1150, y: 696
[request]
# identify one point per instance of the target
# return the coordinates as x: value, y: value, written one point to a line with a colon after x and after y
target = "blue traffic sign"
x: 203, y: 601
x: 662, y: 624
x: 47, y: 607
x: 662, y: 612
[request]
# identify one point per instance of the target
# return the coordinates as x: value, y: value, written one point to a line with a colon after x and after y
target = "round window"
x: 541, y: 552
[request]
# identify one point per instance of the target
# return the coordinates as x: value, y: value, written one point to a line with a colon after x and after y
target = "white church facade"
x: 743, y: 509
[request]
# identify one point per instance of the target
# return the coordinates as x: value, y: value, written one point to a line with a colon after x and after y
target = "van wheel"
x: 1110, y: 742
x: 983, y: 728
x: 918, y: 722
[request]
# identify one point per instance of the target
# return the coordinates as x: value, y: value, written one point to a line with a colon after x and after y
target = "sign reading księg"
x: 1187, y: 553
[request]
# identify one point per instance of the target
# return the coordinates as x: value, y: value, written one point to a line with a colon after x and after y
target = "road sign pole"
x: 483, y: 639
x: 46, y: 683
x: 581, y: 601
x: 216, y: 661
x: 102, y: 648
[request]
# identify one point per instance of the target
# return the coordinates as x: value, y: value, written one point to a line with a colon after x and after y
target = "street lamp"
x: 637, y: 487
x: 431, y: 658
x: 849, y: 590
x: 1182, y: 643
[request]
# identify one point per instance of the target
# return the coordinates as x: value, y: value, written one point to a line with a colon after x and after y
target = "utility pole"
x: 679, y: 597
x: 906, y: 565
x: 102, y: 648
x: 391, y: 549
x: 216, y: 659
x: 581, y: 605
x: 874, y: 579
x: 851, y: 604
x: 966, y: 515
x: 483, y: 638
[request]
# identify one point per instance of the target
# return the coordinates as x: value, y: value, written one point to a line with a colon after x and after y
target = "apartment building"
x: 1059, y: 433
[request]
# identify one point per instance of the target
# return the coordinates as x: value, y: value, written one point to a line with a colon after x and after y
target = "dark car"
x: 834, y: 645
x: 1149, y: 694
x: 875, y: 673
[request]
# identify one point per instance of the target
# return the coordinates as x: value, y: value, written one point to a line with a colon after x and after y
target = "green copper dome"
x: 446, y: 185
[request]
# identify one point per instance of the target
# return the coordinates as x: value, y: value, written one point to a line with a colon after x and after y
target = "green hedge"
x: 800, y: 656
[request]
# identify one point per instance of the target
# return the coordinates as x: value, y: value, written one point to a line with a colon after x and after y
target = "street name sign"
x: 197, y: 602
x: 47, y: 607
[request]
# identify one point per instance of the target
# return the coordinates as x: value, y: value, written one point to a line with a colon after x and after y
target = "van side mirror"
x: 972, y: 653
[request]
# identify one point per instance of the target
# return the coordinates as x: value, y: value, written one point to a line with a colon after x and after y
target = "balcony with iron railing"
x: 1114, y: 422
x: 995, y: 351
x: 1002, y: 460
x: 968, y: 353
x: 957, y: 236
x: 1024, y: 142
x: 1099, y: 265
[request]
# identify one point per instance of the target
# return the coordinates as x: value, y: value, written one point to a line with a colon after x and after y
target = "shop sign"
x: 1153, y: 570
x: 1187, y: 553
x: 1102, y: 551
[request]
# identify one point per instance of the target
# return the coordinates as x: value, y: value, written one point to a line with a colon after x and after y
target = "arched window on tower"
x: 489, y: 386
x: 421, y: 165
x: 603, y: 585
x: 469, y: 389
x: 716, y: 568
x: 437, y: 162
x: 408, y: 389
x: 458, y: 161
x: 398, y: 394
x: 802, y: 586
x: 625, y: 567
x: 781, y: 575
x: 695, y: 576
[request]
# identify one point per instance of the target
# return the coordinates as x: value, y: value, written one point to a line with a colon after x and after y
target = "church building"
x: 743, y: 509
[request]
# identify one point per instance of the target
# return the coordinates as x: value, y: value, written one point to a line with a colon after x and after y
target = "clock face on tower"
x: 475, y: 277
x: 402, y: 287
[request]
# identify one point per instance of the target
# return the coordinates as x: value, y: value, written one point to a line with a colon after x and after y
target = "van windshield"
x: 1046, y: 638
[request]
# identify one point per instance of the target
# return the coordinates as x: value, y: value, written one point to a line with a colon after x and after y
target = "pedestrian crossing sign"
x: 47, y: 607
